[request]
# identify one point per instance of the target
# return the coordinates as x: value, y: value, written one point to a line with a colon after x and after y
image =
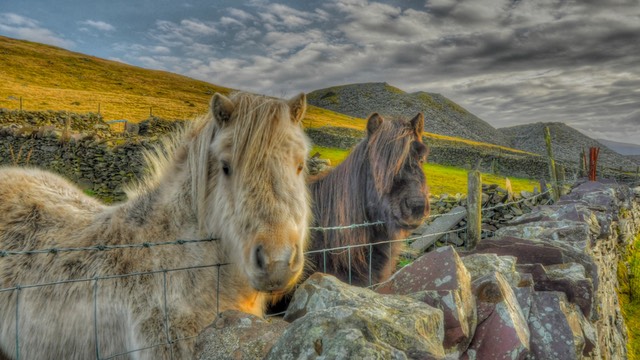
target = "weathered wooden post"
x: 20, y: 103
x: 150, y: 111
x: 562, y: 179
x: 509, y: 188
x: 552, y: 165
x: 474, y: 208
x: 593, y: 162
x: 583, y: 163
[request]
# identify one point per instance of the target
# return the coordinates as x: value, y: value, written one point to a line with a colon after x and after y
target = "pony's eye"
x: 225, y: 168
x: 300, y: 167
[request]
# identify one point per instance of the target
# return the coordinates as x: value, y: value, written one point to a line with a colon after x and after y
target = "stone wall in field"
x: 98, y: 166
x: 544, y: 287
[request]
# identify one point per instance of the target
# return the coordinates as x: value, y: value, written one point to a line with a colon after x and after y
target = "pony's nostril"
x: 418, y: 210
x: 417, y: 207
x: 260, y: 258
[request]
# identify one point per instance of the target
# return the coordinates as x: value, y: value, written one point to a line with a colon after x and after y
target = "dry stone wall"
x: 544, y: 287
x: 99, y: 167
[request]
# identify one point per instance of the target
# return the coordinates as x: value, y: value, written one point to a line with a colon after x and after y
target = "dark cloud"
x: 508, y: 61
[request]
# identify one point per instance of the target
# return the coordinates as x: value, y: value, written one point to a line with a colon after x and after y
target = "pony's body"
x: 202, y: 190
x: 381, y: 180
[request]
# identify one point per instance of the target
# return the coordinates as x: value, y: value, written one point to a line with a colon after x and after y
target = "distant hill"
x: 620, y: 147
x: 442, y: 116
x: 567, y: 143
x: 50, y: 78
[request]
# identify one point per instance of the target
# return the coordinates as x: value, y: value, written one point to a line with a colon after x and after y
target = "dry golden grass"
x: 50, y: 78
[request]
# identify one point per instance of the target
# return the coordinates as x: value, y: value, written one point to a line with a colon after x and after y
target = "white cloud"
x: 509, y: 62
x: 197, y: 27
x: 226, y: 21
x: 240, y: 14
x: 98, y: 25
x: 22, y: 27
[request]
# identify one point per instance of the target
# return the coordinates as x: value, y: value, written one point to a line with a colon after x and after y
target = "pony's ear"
x: 417, y: 123
x: 221, y: 108
x: 297, y: 107
x: 373, y: 123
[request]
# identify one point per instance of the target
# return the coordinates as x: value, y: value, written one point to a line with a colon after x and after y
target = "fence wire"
x: 169, y: 342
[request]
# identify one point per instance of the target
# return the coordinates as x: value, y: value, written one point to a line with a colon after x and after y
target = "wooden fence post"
x: 474, y: 208
x: 583, y: 163
x: 509, y: 188
x: 20, y: 103
x: 593, y: 162
x: 552, y: 165
x: 562, y: 178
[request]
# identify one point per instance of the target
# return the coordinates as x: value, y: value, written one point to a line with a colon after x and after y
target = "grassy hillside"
x: 442, y: 115
x: 47, y: 77
x: 50, y: 78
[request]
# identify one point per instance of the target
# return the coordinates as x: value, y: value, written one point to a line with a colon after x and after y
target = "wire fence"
x: 169, y: 342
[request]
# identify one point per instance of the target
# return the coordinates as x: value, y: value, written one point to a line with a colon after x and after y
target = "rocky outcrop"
x: 333, y: 320
x: 569, y: 251
x: 440, y: 279
x: 236, y: 335
x: 442, y: 115
x: 544, y: 287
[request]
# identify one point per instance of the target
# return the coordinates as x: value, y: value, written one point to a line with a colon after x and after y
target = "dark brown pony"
x: 380, y: 181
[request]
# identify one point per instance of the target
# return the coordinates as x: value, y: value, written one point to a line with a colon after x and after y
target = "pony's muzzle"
x: 273, y: 274
x: 416, y: 208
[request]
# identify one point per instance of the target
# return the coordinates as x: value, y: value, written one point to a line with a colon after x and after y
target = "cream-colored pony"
x: 235, y: 174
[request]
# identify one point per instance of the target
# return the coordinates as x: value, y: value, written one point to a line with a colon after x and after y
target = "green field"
x: 441, y: 179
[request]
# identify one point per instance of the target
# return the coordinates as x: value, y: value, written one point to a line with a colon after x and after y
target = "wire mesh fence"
x: 19, y: 289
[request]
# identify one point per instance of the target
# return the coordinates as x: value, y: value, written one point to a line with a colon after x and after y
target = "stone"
x: 333, y: 320
x: 556, y: 328
x: 480, y: 265
x: 502, y: 331
x: 238, y: 336
x: 440, y: 279
x: 576, y: 233
x: 542, y: 251
x: 569, y: 278
x: 438, y: 226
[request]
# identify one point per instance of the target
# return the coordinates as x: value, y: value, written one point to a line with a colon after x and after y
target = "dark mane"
x: 340, y: 198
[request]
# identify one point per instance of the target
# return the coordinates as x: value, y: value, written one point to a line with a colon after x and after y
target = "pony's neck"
x: 160, y: 212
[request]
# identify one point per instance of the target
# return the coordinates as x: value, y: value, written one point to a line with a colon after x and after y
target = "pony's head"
x: 250, y: 186
x: 398, y: 193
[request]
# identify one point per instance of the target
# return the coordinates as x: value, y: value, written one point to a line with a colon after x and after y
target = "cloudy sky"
x: 508, y: 61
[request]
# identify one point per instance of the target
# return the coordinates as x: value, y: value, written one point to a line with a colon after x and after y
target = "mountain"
x: 566, y: 142
x: 621, y: 148
x: 442, y: 116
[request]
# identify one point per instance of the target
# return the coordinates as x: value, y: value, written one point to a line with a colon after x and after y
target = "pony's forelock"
x: 385, y: 156
x: 263, y: 124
